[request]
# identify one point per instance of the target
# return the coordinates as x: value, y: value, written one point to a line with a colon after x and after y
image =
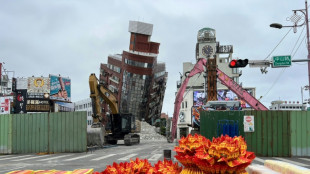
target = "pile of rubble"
x: 148, y: 132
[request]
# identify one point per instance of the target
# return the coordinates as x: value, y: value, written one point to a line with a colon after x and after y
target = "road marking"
x: 292, y: 162
x: 6, y: 158
x: 127, y: 157
x: 56, y: 157
x: 306, y: 159
x: 155, y: 157
x: 12, y: 169
x: 103, y: 157
x: 84, y: 156
x: 28, y: 158
x: 259, y: 160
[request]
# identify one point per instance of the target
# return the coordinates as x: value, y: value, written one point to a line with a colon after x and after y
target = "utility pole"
x: 296, y: 19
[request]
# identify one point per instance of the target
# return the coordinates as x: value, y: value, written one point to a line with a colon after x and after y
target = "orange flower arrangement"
x: 223, y: 154
x: 167, y: 166
x: 187, y: 149
x: 142, y: 167
x: 137, y: 166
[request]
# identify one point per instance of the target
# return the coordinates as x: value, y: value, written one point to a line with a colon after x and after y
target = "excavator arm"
x: 97, y: 91
x: 239, y: 91
x: 226, y: 80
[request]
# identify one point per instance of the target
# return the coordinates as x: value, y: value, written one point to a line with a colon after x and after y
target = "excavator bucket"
x: 95, y: 137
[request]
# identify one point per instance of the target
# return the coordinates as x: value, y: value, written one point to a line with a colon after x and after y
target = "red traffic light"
x: 238, y: 63
x: 233, y: 63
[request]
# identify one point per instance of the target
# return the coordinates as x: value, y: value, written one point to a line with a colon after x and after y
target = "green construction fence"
x: 43, y: 132
x: 276, y: 133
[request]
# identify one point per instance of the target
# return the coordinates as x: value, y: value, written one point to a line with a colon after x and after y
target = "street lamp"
x: 297, y: 19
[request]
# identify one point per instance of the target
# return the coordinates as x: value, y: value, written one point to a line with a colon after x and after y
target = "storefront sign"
x: 37, y: 105
x: 20, y: 102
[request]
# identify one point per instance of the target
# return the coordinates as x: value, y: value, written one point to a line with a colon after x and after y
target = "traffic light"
x: 240, y: 63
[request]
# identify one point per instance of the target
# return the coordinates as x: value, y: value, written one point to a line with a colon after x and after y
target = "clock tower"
x: 206, y: 43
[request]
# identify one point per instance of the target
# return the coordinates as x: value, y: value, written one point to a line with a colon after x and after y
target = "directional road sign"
x: 281, y: 61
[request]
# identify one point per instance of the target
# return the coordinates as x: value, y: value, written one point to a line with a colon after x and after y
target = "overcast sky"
x: 72, y: 38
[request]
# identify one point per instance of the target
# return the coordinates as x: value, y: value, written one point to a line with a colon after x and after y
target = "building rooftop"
x: 140, y: 27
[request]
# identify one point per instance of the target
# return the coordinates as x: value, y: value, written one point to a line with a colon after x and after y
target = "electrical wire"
x: 298, y: 40
x: 281, y: 73
x: 278, y: 44
x: 299, y: 45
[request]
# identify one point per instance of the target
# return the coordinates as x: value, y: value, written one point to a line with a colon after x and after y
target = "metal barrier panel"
x: 5, y: 134
x: 209, y: 121
x: 45, y: 132
x: 68, y: 132
x: 271, y: 136
x: 30, y: 133
x: 300, y: 132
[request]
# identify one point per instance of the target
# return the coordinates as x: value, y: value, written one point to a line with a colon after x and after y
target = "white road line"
x: 29, y: 158
x: 55, y: 157
x: 292, y: 162
x: 12, y: 169
x: 103, y: 157
x: 306, y: 159
x: 127, y: 157
x: 155, y: 157
x: 7, y: 158
x: 259, y: 160
x: 84, y: 156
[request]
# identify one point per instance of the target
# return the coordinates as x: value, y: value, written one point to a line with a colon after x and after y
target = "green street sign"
x: 281, y: 61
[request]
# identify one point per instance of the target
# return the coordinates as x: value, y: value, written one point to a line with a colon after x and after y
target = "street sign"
x: 281, y: 61
x: 248, y: 123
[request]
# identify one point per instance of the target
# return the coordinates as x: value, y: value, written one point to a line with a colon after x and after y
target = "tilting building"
x: 135, y: 76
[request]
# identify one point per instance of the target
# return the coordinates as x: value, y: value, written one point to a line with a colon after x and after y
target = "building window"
x: 114, y: 68
x: 235, y: 70
x: 182, y: 105
x: 159, y: 74
x: 185, y: 104
x: 138, y: 64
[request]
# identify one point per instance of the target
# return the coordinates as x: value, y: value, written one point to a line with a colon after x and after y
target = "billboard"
x: 20, y: 102
x: 37, y: 105
x: 5, y: 104
x: 228, y: 95
x: 199, y: 98
x: 38, y: 85
x: 21, y: 83
x: 196, y: 115
x: 60, y: 88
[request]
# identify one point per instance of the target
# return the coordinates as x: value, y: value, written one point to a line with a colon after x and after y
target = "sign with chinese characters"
x: 5, y: 104
x: 20, y: 102
x: 37, y: 105
x: 248, y: 122
x: 281, y: 61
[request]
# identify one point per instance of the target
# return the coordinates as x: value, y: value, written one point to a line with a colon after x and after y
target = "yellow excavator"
x: 117, y: 126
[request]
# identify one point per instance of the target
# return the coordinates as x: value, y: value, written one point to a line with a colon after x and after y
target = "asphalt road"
x: 99, y: 158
